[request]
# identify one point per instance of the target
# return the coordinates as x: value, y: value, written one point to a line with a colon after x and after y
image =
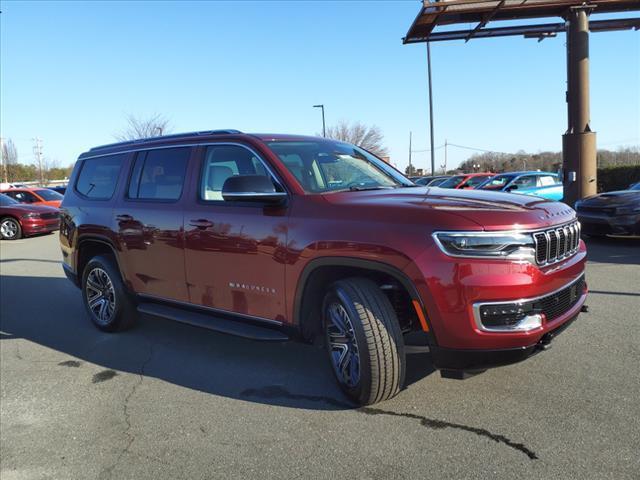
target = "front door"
x: 234, y: 251
x: 149, y: 219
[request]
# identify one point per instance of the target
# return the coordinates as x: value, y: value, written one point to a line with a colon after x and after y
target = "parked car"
x: 432, y: 181
x: 276, y: 237
x: 549, y: 192
x: 611, y: 213
x: 466, y: 180
x: 59, y: 188
x: 35, y: 196
x: 18, y: 219
x: 507, y: 182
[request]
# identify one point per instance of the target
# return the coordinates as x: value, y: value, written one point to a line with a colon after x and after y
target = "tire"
x: 108, y: 304
x: 356, y: 313
x: 10, y: 229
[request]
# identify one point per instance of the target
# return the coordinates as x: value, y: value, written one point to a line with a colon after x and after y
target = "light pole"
x: 324, y: 131
x: 433, y: 152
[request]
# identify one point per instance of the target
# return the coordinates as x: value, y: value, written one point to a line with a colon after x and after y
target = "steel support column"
x: 579, y: 142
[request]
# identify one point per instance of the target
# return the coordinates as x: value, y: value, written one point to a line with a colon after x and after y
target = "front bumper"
x: 602, y: 224
x: 33, y: 227
x: 461, y: 361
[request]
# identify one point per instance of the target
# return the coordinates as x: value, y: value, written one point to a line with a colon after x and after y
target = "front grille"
x: 559, y: 303
x: 557, y: 243
x: 49, y: 216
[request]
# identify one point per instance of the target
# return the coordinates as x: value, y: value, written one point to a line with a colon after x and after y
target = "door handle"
x: 124, y: 218
x: 201, y: 223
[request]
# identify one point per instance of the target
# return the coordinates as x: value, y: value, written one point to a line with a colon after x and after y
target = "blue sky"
x: 72, y: 71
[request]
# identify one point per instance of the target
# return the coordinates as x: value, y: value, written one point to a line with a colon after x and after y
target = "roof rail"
x: 138, y: 141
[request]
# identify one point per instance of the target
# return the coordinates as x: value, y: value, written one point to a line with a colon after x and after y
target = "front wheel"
x: 364, y: 341
x: 10, y: 229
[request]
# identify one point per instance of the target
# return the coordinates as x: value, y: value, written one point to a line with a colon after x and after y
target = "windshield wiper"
x: 357, y: 188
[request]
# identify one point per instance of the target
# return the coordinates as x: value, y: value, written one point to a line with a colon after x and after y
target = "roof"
x: 448, y: 12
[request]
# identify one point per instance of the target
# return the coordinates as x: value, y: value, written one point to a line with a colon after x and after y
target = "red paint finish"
x: 33, y: 219
x: 249, y: 259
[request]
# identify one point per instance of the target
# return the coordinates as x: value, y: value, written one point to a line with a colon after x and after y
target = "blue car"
x: 542, y: 184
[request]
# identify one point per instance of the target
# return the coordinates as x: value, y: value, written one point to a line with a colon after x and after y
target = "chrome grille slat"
x: 556, y: 244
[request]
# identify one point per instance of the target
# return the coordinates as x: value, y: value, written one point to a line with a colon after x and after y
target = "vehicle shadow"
x: 613, y: 250
x: 49, y: 312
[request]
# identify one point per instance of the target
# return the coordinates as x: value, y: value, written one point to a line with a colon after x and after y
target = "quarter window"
x: 159, y: 174
x: 99, y: 176
x: 222, y: 162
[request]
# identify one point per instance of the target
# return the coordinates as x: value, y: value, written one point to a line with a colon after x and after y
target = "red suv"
x: 272, y: 237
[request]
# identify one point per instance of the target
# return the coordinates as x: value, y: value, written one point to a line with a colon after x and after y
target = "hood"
x: 480, y: 209
x: 27, y: 208
x: 612, y: 199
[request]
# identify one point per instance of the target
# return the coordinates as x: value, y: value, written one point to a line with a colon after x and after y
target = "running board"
x: 216, y: 323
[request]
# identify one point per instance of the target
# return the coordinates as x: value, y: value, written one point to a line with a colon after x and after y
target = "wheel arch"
x: 91, y: 246
x: 323, y: 271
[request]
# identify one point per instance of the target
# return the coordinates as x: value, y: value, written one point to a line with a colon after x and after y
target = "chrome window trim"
x: 196, y: 144
x: 520, y: 301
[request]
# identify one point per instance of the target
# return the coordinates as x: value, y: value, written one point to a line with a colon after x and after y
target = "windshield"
x: 452, y: 182
x: 6, y: 200
x: 49, y: 195
x: 329, y: 166
x: 497, y: 183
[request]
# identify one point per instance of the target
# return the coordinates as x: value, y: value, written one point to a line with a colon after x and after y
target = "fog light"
x: 507, y: 317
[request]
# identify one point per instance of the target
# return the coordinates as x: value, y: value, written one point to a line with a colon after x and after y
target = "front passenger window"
x: 222, y: 162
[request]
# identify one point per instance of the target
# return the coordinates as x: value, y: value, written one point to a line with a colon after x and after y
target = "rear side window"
x: 99, y: 176
x: 159, y: 174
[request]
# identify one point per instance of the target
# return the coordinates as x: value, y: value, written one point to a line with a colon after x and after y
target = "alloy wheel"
x: 342, y: 344
x: 9, y: 229
x: 101, y: 296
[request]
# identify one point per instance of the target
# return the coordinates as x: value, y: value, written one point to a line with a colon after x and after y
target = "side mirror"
x: 511, y: 187
x: 251, y: 188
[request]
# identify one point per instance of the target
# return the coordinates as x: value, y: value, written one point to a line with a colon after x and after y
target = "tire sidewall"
x: 338, y: 294
x: 122, y: 300
x: 18, y: 228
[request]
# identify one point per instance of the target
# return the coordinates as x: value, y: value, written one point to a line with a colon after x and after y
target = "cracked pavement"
x: 166, y: 400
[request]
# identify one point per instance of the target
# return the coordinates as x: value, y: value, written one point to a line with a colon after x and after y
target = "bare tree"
x: 369, y: 138
x: 136, y: 128
x: 9, y: 153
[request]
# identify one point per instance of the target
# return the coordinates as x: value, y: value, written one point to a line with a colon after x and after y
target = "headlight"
x: 31, y: 215
x: 511, y: 245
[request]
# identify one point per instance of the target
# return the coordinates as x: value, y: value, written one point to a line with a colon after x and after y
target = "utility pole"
x: 3, y: 162
x: 445, y: 157
x: 410, y: 169
x: 433, y: 150
x: 324, y: 130
x: 37, y: 152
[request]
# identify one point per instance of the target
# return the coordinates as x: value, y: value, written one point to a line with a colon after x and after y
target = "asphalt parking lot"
x: 166, y: 400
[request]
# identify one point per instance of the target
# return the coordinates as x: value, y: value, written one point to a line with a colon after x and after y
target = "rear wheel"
x: 10, y: 229
x: 364, y: 341
x: 107, y: 302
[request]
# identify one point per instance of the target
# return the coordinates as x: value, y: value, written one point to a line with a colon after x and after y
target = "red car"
x: 276, y: 237
x: 466, y: 180
x: 35, y: 196
x: 18, y: 219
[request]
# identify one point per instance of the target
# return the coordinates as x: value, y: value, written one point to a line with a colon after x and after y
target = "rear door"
x: 234, y: 251
x: 149, y: 218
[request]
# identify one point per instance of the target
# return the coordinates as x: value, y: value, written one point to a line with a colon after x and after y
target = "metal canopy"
x: 481, y: 12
